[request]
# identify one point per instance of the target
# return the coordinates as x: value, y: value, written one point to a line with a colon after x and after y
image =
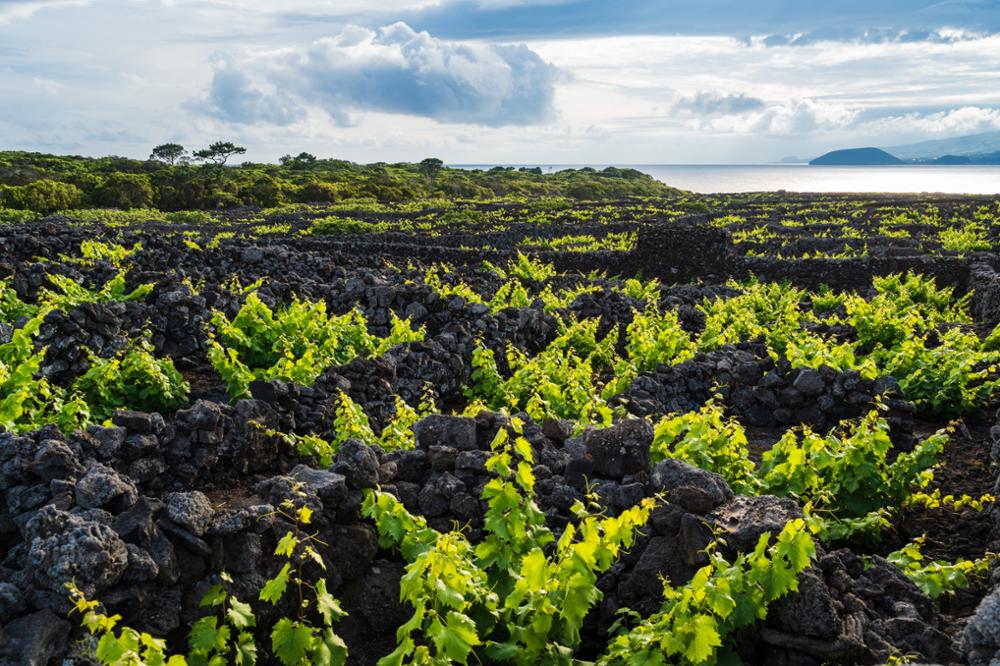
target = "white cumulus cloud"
x: 796, y: 117
x: 394, y: 69
x: 963, y: 120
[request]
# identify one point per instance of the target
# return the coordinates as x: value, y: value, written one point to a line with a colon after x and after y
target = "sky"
x: 497, y: 81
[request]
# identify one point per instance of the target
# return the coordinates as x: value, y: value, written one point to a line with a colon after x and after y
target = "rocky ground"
x: 142, y: 512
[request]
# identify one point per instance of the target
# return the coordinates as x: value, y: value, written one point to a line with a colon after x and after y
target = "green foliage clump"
x: 559, y: 382
x: 67, y: 293
x: 92, y: 252
x: 937, y: 578
x: 648, y: 292
x: 114, y: 217
x: 295, y: 343
x: 965, y: 239
x: 945, y: 380
x: 804, y: 349
x: 847, y: 475
x: 654, y: 339
x: 707, y: 439
x: 11, y: 306
x: 333, y: 224
x: 696, y: 621
x: 441, y: 280
x: 125, y: 191
x: 17, y: 216
x: 851, y: 474
x: 28, y: 401
x: 351, y: 422
x: 523, y: 267
x: 903, y: 306
x: 511, y: 294
x: 42, y: 196
x: 614, y: 242
x: 518, y: 597
x: 770, y: 310
x: 135, y: 379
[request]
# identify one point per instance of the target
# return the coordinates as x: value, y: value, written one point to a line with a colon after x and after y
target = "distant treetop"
x: 169, y: 181
x: 168, y: 152
x: 219, y: 152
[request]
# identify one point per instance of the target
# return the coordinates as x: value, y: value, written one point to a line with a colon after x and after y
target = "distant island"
x: 974, y: 149
x: 968, y: 145
x: 856, y: 157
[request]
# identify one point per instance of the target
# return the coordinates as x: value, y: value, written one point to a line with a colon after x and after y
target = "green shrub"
x: 851, y: 473
x: 710, y: 441
x: 654, y: 339
x: 970, y: 238
x: 125, y: 191
x: 193, y: 217
x: 346, y: 225
x: 520, y: 596
x: 697, y: 621
x: 27, y: 401
x: 134, y: 379
x: 296, y: 342
x: 15, y: 216
x: 42, y: 196
x: 318, y: 192
x: 937, y: 578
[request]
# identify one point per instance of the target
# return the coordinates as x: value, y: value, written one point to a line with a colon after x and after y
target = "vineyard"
x: 669, y: 429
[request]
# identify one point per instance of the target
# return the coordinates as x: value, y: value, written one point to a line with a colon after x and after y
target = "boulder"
x: 744, y: 519
x: 102, y: 487
x: 190, y: 510
x: 458, y: 432
x: 689, y: 487
x: 11, y: 602
x: 138, y: 422
x: 358, y: 463
x: 34, y: 639
x: 809, y: 382
x: 621, y: 449
x: 63, y: 547
x: 980, y: 640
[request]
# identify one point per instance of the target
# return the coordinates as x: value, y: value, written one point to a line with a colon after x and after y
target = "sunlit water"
x: 805, y: 178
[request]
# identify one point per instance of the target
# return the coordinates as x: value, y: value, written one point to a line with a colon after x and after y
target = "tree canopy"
x: 168, y: 181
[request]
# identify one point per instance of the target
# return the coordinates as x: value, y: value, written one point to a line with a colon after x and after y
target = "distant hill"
x: 951, y: 159
x: 978, y: 145
x: 985, y: 158
x: 857, y: 157
x: 974, y: 158
x: 977, y: 149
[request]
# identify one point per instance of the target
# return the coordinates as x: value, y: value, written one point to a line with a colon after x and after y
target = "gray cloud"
x: 392, y: 70
x: 712, y: 103
x: 871, y: 36
x: 233, y: 97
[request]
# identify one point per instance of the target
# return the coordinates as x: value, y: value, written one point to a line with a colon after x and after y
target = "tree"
x: 316, y: 191
x: 168, y: 152
x: 125, y: 190
x: 300, y: 161
x: 42, y: 196
x: 431, y: 166
x: 219, y: 152
x: 264, y: 190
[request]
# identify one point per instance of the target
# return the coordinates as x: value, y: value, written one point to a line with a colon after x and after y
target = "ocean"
x: 805, y: 178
